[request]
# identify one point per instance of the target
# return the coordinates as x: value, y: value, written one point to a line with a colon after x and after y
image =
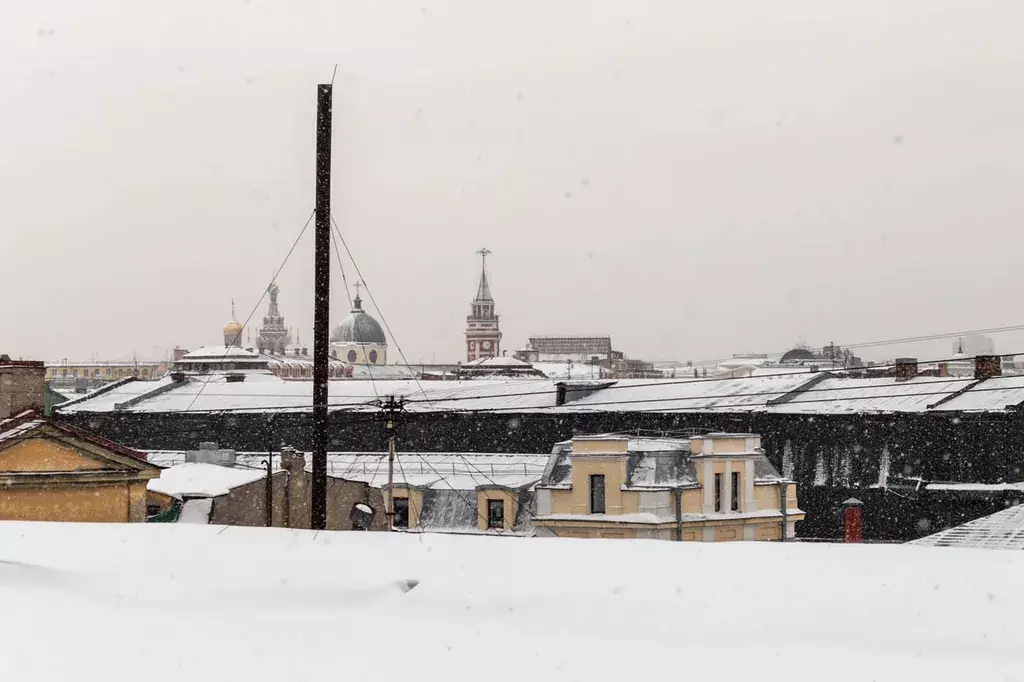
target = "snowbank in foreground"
x: 174, y: 602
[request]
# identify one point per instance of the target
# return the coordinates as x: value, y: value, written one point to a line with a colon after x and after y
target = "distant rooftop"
x: 1002, y: 530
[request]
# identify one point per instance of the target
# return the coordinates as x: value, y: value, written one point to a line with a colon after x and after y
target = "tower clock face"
x: 472, y: 345
x: 486, y: 345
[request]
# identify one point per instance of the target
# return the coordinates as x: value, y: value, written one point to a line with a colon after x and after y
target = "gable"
x: 41, y: 454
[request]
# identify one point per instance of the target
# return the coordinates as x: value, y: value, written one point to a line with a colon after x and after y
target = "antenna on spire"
x: 232, y: 307
x: 483, y: 256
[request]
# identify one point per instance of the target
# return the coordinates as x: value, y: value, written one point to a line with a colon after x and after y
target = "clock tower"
x: 483, y: 337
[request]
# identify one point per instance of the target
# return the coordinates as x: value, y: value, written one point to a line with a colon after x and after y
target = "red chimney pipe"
x: 853, y: 520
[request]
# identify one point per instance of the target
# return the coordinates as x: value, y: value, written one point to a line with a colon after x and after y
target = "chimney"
x: 305, y: 351
x: 178, y: 377
x: 208, y: 453
x: 987, y: 366
x: 942, y: 369
x: 906, y: 368
x: 22, y: 386
x: 178, y: 353
x: 853, y: 520
x: 297, y: 349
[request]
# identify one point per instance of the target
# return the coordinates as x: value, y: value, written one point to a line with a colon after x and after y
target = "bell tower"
x: 483, y: 336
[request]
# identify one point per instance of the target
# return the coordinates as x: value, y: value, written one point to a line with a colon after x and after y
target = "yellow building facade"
x: 105, y: 371
x: 713, y: 488
x: 54, y: 472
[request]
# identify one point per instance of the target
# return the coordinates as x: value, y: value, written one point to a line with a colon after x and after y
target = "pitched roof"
x: 23, y: 425
x: 1002, y: 530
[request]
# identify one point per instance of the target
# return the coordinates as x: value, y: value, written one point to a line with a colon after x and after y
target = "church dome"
x: 797, y: 354
x: 359, y: 327
x: 232, y: 328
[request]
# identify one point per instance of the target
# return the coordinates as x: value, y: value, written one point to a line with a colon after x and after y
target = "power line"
x: 369, y: 293
x: 616, y: 386
x: 227, y: 349
x: 892, y: 342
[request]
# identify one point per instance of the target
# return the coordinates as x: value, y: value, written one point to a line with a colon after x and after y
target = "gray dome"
x: 359, y: 327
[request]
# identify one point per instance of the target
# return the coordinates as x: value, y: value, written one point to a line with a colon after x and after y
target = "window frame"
x: 718, y: 492
x: 594, y: 478
x: 492, y: 504
x: 404, y: 503
x: 734, y: 502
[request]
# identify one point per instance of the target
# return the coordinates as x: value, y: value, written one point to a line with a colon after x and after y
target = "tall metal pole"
x: 321, y: 307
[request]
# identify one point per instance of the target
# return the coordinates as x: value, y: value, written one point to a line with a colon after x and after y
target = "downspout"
x: 679, y: 513
x: 783, y: 489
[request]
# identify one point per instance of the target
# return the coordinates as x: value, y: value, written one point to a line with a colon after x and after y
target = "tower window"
x: 718, y: 492
x: 373, y: 356
x: 735, y: 502
x: 352, y: 356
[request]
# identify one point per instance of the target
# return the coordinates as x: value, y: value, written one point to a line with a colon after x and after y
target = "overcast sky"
x: 693, y: 177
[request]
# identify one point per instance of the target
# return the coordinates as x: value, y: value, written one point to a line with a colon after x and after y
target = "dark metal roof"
x: 359, y: 327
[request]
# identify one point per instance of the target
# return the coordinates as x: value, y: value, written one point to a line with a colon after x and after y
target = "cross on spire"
x: 483, y: 292
x: 357, y: 303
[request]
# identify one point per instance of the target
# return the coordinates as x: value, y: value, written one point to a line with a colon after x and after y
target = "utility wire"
x: 369, y: 293
x: 796, y: 391
x: 273, y: 279
x: 892, y: 342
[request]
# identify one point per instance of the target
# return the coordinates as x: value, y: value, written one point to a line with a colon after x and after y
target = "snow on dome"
x: 359, y: 327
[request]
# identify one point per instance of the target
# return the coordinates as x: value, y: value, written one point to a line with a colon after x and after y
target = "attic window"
x: 496, y: 514
x: 597, y: 494
x: 401, y: 512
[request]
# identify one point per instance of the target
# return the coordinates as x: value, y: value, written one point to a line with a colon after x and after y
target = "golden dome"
x: 232, y: 327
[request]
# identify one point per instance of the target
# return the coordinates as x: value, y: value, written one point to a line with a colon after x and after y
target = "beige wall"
x: 510, y: 499
x: 114, y: 502
x: 577, y: 500
x: 582, y: 446
x: 415, y: 497
x: 767, y: 496
x: 38, y: 454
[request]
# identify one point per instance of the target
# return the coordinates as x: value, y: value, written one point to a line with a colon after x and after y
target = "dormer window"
x: 496, y: 514
x: 597, y: 494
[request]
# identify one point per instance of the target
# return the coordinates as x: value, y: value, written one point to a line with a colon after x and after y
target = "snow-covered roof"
x: 1002, y: 530
x: 194, y: 479
x: 220, y: 353
x: 804, y: 393
x: 875, y: 394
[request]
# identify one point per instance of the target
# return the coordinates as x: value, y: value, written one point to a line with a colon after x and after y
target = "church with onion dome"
x: 359, y: 339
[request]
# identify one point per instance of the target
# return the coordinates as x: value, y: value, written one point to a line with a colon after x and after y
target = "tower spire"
x: 483, y: 292
x: 483, y: 337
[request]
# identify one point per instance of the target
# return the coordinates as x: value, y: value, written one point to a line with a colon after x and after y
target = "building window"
x: 495, y: 513
x: 597, y: 494
x: 352, y: 356
x: 373, y: 357
x: 401, y: 512
x: 735, y: 502
x: 718, y: 492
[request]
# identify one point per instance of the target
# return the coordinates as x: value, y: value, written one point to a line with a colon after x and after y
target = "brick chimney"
x: 906, y: 368
x: 22, y: 386
x: 987, y: 366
